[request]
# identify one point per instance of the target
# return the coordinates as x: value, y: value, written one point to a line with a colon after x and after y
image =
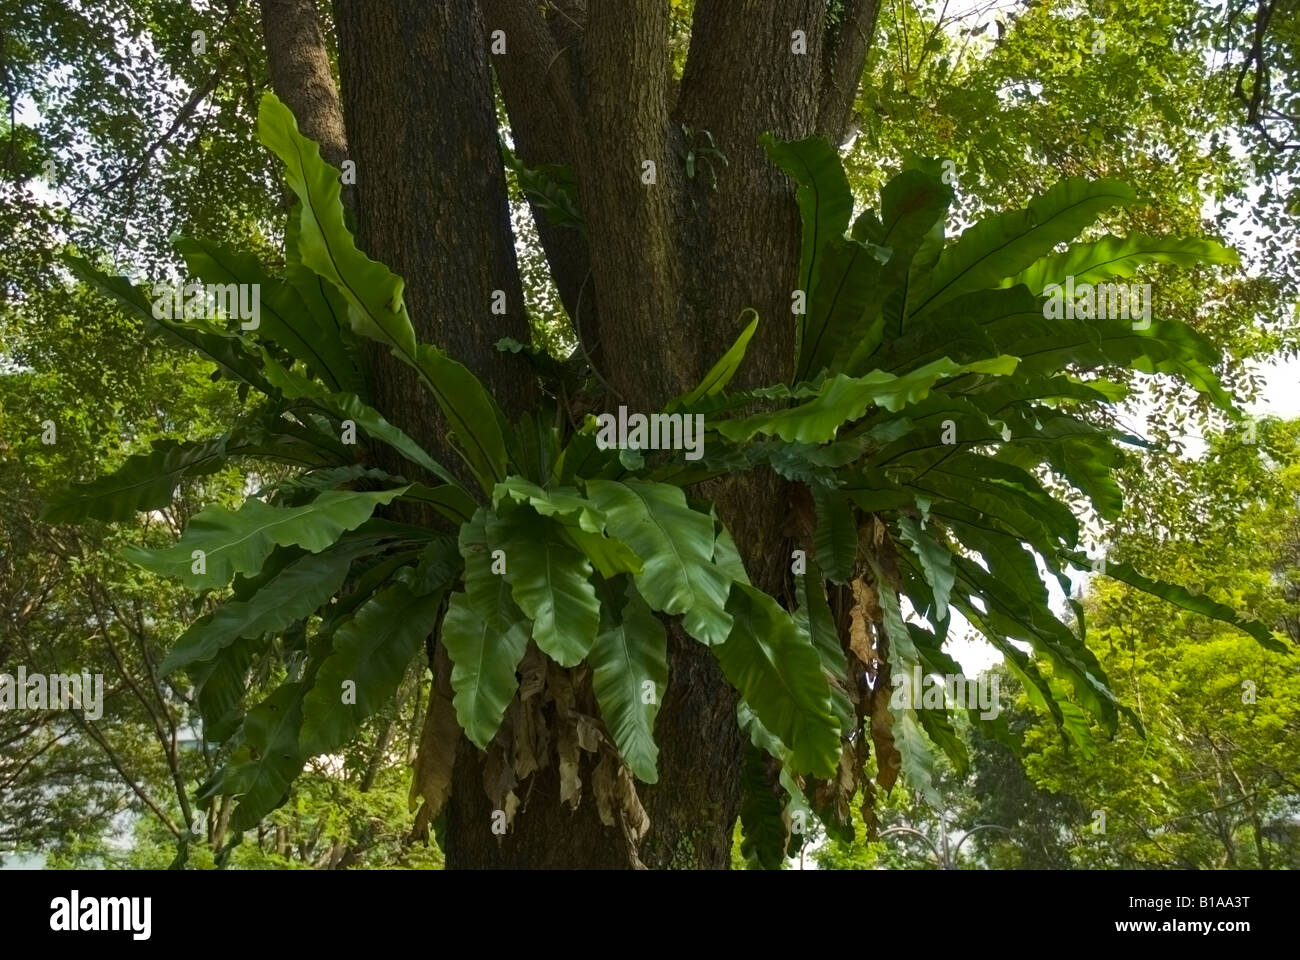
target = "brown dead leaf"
x: 532, y: 673
x: 632, y: 817
x: 589, y: 732
x: 566, y: 749
x: 560, y: 688
x: 541, y: 736
x: 436, y: 754
x: 423, y: 820
x: 888, y: 759
x: 846, y: 779
x: 636, y: 822
x: 525, y: 725
x: 862, y: 615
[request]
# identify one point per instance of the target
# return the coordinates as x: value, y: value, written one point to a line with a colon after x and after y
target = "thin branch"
x: 846, y: 57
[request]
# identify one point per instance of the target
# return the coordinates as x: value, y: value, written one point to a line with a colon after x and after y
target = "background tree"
x: 126, y: 102
x: 1213, y: 783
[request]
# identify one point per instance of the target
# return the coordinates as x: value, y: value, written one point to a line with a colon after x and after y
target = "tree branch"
x: 630, y: 220
x: 132, y: 173
x: 537, y: 84
x: 300, y: 73
x: 751, y: 69
x: 846, y: 56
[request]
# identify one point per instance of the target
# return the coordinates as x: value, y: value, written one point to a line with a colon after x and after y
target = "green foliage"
x: 144, y: 482
x: 631, y: 651
x: 370, y: 656
x: 266, y: 761
x: 1211, y: 782
x: 286, y: 597
x: 1035, y: 460
x: 825, y: 201
x: 776, y: 669
x: 1155, y: 105
x: 676, y: 547
x: 918, y: 469
x: 842, y: 399
x: 720, y: 373
x: 1002, y: 245
x: 310, y: 337
x: 1112, y: 257
x: 485, y: 660
x: 324, y: 243
x: 551, y: 581
x: 763, y: 834
x: 220, y: 543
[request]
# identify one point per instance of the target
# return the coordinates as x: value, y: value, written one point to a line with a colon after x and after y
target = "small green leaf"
x: 720, y: 373
x: 763, y: 831
x: 909, y: 740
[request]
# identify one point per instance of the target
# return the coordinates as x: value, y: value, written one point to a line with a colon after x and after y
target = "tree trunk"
x: 669, y: 261
x: 431, y: 196
x: 299, y: 64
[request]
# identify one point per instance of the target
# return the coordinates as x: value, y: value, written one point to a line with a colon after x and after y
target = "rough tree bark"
x: 667, y: 267
x: 299, y: 64
x: 431, y: 195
